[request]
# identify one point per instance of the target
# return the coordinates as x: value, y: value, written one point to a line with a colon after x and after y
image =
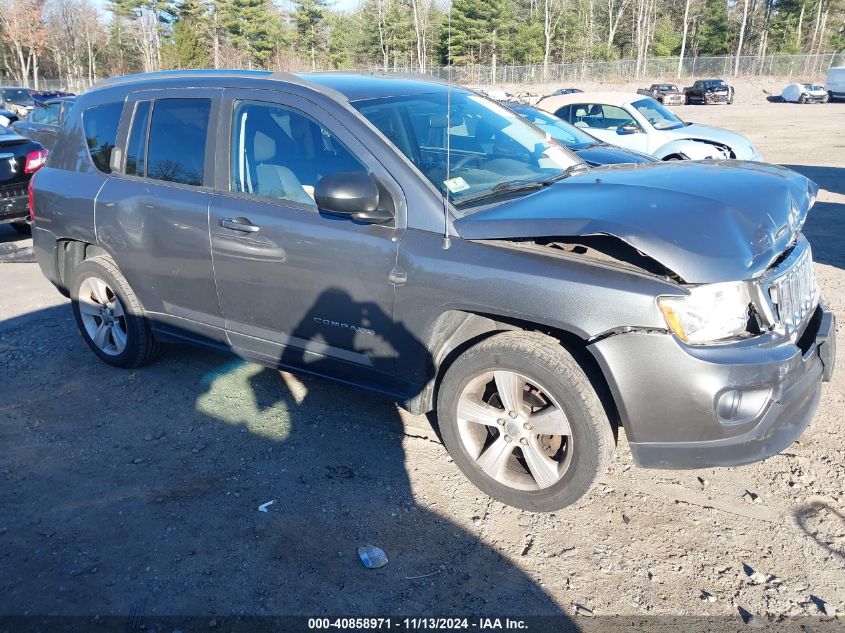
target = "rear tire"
x: 22, y: 227
x: 109, y: 315
x: 523, y: 422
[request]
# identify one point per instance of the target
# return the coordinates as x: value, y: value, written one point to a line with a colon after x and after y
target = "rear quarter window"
x: 100, y: 124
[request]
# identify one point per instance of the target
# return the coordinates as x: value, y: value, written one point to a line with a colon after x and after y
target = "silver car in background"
x: 642, y: 124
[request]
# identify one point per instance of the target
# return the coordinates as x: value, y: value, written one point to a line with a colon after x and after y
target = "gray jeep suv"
x: 424, y: 242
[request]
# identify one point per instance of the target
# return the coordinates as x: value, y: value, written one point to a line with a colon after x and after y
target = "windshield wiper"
x: 523, y: 185
x: 502, y: 188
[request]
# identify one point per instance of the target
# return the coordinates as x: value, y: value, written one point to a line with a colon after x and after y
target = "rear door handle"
x: 239, y: 224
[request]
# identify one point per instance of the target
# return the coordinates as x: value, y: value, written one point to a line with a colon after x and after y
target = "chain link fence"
x: 663, y: 68
x: 660, y: 68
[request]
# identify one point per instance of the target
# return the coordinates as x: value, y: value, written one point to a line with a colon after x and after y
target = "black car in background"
x: 44, y: 95
x: 591, y: 150
x: 43, y: 122
x: 709, y: 91
x: 564, y: 91
x: 20, y: 157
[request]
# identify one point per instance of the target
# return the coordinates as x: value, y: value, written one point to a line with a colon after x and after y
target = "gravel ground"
x: 136, y: 493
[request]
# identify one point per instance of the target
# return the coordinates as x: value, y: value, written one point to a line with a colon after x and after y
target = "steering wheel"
x: 465, y: 159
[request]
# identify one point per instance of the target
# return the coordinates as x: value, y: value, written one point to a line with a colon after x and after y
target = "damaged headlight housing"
x: 710, y: 313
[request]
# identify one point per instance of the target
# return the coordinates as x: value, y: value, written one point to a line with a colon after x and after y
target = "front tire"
x: 109, y: 315
x: 523, y: 422
x: 802, y: 99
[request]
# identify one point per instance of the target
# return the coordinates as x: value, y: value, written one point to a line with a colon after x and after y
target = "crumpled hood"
x: 742, y: 147
x: 706, y: 221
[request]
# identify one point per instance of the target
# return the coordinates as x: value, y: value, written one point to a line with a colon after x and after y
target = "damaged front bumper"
x: 688, y: 406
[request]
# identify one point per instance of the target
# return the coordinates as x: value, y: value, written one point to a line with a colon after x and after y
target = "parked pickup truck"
x: 667, y: 94
x: 709, y: 91
x: 423, y: 242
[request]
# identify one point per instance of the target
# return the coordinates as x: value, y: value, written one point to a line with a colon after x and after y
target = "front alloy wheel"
x: 523, y: 421
x: 514, y: 430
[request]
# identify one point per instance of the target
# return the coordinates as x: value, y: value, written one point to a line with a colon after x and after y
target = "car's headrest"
x: 264, y: 147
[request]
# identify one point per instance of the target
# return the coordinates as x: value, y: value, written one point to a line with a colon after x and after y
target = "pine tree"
x: 190, y: 39
x: 477, y: 33
x: 252, y: 27
x: 310, y: 19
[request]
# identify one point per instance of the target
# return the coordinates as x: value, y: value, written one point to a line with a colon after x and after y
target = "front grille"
x: 793, y: 290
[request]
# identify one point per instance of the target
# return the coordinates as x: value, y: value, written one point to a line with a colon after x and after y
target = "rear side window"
x: 46, y: 115
x: 176, y: 146
x: 136, y: 150
x: 100, y: 125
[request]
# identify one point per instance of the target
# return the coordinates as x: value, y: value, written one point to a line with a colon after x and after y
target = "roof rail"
x: 197, y: 73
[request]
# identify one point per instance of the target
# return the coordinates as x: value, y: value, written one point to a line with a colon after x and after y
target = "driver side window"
x: 281, y: 153
x: 603, y: 117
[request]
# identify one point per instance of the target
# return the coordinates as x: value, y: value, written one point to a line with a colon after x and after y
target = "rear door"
x: 152, y: 213
x: 297, y: 286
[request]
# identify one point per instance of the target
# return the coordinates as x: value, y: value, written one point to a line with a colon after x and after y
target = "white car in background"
x: 804, y: 93
x: 642, y: 124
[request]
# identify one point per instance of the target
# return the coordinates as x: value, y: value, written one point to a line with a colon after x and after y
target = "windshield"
x: 658, y: 115
x: 812, y: 87
x: 492, y: 150
x: 559, y: 130
x: 715, y: 84
x: 16, y: 94
x: 668, y: 88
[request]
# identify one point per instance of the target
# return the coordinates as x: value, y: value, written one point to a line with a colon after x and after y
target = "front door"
x: 610, y: 124
x: 297, y: 286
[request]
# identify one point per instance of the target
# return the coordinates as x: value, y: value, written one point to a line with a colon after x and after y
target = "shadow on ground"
x: 825, y: 224
x: 136, y: 493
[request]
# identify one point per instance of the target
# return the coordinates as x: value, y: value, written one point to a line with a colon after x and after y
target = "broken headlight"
x: 710, y: 313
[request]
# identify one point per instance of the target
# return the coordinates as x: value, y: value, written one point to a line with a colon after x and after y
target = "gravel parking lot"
x: 136, y: 493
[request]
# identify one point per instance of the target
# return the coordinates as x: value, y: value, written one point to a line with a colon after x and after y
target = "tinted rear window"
x: 176, y: 147
x: 100, y: 124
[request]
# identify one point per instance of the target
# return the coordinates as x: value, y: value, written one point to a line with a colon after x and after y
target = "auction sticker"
x: 456, y: 184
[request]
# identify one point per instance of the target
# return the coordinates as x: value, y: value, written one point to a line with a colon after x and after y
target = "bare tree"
x: 684, y: 37
x: 614, y: 17
x: 422, y: 25
x: 552, y: 14
x: 23, y: 27
x: 741, y: 36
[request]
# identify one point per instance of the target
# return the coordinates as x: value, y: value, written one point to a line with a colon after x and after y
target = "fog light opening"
x: 738, y: 406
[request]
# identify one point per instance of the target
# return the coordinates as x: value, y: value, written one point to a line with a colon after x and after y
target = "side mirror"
x: 629, y: 128
x: 353, y: 194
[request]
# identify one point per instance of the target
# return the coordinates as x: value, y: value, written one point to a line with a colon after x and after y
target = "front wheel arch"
x: 474, y: 327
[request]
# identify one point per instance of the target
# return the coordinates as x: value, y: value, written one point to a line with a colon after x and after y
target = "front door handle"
x: 239, y: 224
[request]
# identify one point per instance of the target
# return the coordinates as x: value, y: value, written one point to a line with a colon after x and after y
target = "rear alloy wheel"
x: 523, y: 422
x: 109, y: 315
